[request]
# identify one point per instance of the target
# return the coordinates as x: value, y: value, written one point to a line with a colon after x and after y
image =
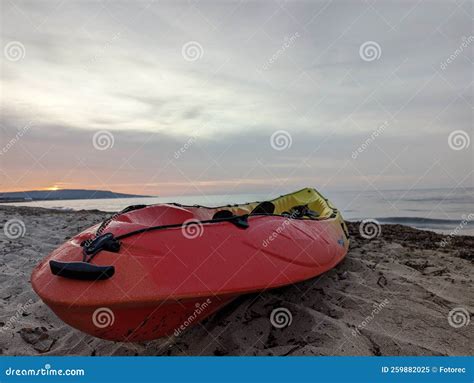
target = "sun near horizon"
x: 53, y: 188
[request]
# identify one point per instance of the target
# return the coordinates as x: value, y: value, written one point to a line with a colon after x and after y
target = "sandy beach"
x: 392, y: 295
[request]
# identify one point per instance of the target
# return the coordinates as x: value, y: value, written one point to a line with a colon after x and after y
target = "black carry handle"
x: 81, y: 270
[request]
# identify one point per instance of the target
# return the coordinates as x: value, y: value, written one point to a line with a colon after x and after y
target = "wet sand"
x: 401, y: 293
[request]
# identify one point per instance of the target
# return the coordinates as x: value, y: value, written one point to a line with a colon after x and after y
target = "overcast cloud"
x: 356, y: 95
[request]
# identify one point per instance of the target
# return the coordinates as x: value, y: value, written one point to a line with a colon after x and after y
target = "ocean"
x: 441, y: 210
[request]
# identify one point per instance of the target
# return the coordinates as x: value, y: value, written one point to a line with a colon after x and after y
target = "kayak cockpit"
x: 306, y: 203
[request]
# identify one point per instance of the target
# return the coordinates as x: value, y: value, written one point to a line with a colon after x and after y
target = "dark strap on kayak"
x: 241, y: 221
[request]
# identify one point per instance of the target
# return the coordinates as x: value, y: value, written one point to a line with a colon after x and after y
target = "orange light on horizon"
x: 53, y: 188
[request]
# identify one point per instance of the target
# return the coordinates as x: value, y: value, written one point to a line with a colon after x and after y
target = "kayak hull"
x: 140, y: 323
x: 170, y: 279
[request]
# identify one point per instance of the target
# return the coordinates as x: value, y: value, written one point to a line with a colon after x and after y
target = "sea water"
x: 440, y: 210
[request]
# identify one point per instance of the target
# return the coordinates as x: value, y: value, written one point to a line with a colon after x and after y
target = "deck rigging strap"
x: 240, y: 221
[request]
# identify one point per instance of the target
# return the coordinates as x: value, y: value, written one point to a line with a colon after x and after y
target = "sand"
x: 392, y: 295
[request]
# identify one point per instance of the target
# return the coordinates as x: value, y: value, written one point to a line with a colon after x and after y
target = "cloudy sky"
x: 191, y: 97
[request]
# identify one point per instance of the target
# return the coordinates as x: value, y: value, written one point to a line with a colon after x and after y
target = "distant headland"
x: 63, y: 194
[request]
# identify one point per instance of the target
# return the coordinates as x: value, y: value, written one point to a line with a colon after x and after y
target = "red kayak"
x: 155, y: 270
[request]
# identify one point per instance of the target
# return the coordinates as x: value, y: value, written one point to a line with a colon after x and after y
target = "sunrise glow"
x: 53, y: 188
